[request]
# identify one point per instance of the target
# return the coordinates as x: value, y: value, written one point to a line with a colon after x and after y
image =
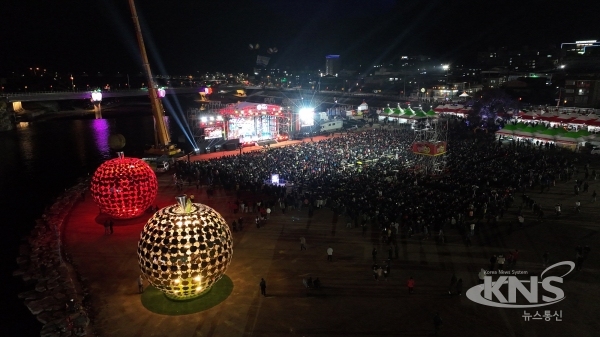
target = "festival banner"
x: 429, y: 148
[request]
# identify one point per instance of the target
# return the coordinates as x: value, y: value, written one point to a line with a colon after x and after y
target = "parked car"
x: 595, y: 150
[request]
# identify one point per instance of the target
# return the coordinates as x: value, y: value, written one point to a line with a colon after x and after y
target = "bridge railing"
x: 32, y: 93
x: 54, y: 92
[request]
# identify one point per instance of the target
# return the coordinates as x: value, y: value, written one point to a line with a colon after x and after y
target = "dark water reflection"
x: 37, y: 163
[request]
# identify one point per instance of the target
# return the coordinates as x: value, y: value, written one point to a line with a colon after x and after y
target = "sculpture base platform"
x: 157, y: 302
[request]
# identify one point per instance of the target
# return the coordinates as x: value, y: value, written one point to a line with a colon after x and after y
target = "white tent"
x: 363, y: 106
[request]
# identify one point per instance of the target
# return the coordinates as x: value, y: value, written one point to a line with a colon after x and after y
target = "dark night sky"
x: 186, y: 36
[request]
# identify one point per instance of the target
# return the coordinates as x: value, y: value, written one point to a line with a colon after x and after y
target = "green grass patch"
x: 155, y: 301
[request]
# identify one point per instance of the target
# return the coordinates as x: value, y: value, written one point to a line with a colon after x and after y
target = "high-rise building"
x: 332, y: 64
x: 580, y: 56
x: 581, y: 91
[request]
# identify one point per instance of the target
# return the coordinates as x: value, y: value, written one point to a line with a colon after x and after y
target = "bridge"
x: 41, y: 96
x: 255, y: 94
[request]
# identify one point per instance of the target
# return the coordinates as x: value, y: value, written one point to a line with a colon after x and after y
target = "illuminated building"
x: 332, y: 64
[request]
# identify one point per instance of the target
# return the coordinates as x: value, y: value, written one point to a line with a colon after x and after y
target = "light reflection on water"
x: 26, y: 140
x: 101, y: 132
x: 57, y: 152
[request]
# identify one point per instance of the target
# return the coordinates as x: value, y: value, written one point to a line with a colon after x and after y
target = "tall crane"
x: 162, y: 139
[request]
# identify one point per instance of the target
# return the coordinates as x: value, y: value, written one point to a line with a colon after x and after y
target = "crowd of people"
x: 370, y: 177
x: 373, y: 179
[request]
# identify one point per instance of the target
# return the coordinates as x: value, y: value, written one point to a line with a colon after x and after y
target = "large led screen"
x: 213, y: 132
x: 248, y: 129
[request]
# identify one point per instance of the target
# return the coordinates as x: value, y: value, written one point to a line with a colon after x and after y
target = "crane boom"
x: 161, y: 134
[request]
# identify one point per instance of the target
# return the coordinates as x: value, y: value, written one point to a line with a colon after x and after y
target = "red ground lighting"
x: 124, y: 187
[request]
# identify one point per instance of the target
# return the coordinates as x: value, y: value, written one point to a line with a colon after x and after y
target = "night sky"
x: 188, y: 36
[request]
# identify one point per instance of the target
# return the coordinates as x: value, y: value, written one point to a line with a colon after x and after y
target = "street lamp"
x: 72, y: 85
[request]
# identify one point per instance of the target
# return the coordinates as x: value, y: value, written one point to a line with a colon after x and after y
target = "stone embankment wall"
x: 6, y: 122
x: 57, y: 299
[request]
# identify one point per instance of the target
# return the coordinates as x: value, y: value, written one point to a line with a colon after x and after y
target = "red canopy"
x: 567, y: 118
x: 555, y: 119
x: 549, y: 117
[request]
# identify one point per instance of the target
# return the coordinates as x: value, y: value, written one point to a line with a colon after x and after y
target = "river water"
x: 37, y: 163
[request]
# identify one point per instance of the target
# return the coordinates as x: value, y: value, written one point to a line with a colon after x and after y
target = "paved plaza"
x: 350, y: 302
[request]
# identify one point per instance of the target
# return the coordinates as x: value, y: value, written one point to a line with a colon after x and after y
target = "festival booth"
x: 582, y: 122
x: 440, y: 109
x: 363, y: 109
x: 594, y: 125
x: 419, y: 114
x: 463, y: 112
x: 536, y: 134
x: 586, y: 134
x: 528, y: 116
x: 452, y: 109
x: 387, y: 113
x: 549, y: 134
x: 567, y: 118
x: 251, y: 122
x: 397, y: 115
x: 507, y: 132
x: 520, y: 126
x: 401, y: 116
x: 570, y: 140
x: 504, y: 114
x: 551, y: 119
x: 526, y: 132
x: 384, y: 114
x: 504, y: 134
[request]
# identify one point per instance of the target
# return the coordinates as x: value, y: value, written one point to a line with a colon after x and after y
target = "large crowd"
x: 370, y: 177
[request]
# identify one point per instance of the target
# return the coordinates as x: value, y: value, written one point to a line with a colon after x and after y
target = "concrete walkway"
x: 351, y: 302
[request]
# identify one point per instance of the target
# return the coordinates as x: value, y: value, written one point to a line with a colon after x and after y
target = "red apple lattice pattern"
x: 124, y: 187
x: 184, y: 254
